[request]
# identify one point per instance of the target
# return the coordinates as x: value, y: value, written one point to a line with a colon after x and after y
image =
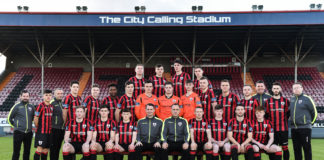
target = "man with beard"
x: 22, y: 113
x: 278, y: 113
x: 112, y: 100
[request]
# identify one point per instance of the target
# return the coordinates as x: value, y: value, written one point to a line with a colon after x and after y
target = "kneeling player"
x: 80, y: 132
x: 200, y: 135
x: 240, y: 134
x: 103, y: 135
x: 218, y: 127
x: 263, y: 136
x: 126, y: 135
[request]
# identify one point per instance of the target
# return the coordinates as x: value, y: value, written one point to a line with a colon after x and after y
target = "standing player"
x: 77, y: 136
x: 219, y: 138
x: 200, y: 135
x: 57, y: 134
x: 22, y: 113
x: 126, y: 135
x: 278, y: 114
x: 261, y: 96
x: 199, y: 72
x: 165, y: 102
x: 240, y: 134
x: 144, y: 99
x: 127, y: 101
x: 149, y: 133
x: 263, y: 136
x: 43, y: 123
x: 103, y: 135
x: 190, y: 101
x: 207, y: 98
x: 179, y: 79
x: 249, y: 103
x: 228, y: 100
x: 158, y: 81
x: 71, y: 101
x: 111, y: 100
x: 138, y: 80
x: 92, y: 104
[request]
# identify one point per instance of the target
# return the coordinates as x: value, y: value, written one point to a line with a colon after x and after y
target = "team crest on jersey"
x: 174, y: 100
x: 244, y: 125
x: 265, y: 99
x: 131, y: 127
x: 203, y: 123
x: 251, y: 101
x: 181, y: 78
x: 191, y: 99
x: 300, y: 101
x: 225, y: 124
x: 282, y: 103
x: 154, y: 124
x: 84, y: 104
x: 230, y: 99
x: 265, y: 125
x: 154, y: 99
x: 29, y: 108
x: 84, y: 126
x: 40, y: 142
x: 108, y: 125
x: 206, y: 96
x: 179, y: 123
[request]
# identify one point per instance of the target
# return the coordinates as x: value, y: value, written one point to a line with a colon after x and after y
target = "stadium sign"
x: 161, y: 19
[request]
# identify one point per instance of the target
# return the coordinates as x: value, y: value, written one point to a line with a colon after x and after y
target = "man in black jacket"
x: 148, y: 133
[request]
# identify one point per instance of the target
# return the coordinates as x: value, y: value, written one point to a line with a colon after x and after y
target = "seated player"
x: 175, y: 134
x: 103, y: 135
x: 42, y: 120
x: 218, y: 127
x: 263, y: 136
x: 126, y: 136
x: 79, y: 131
x: 240, y: 134
x: 149, y: 133
x: 200, y: 135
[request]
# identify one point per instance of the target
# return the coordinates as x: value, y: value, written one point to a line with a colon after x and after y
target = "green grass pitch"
x: 6, y: 147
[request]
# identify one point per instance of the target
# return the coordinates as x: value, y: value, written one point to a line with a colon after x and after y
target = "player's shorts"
x: 200, y: 146
x: 125, y: 146
x: 42, y: 140
x: 103, y: 145
x: 77, y: 146
x: 281, y: 138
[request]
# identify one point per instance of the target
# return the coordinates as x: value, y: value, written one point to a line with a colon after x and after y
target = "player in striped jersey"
x: 263, y: 136
x: 126, y: 135
x: 200, y: 135
x: 111, y: 100
x: 158, y: 81
x: 240, y: 134
x: 199, y: 72
x: 228, y: 100
x: 189, y: 101
x: 207, y: 98
x: 138, y: 80
x: 71, y: 101
x: 78, y: 134
x: 218, y: 127
x: 103, y: 135
x: 144, y: 99
x: 179, y: 79
x: 92, y: 104
x: 249, y: 103
x: 278, y: 113
x: 43, y: 123
x: 127, y: 101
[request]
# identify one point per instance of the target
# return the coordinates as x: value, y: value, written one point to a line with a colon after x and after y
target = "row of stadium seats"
x: 217, y: 60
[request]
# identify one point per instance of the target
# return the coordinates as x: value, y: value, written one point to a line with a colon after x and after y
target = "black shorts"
x: 103, y: 145
x: 42, y: 140
x: 125, y: 146
x: 77, y: 146
x: 281, y: 138
x: 200, y: 146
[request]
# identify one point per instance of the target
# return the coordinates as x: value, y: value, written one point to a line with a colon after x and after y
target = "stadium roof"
x: 266, y: 32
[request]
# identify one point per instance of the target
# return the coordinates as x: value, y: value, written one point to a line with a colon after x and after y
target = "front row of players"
x: 214, y: 137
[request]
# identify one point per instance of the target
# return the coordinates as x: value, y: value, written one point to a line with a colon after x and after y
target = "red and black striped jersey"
x: 277, y: 112
x: 261, y: 131
x: 206, y: 100
x: 125, y: 132
x: 158, y: 83
x: 92, y: 106
x: 128, y: 102
x: 44, y: 112
x: 240, y: 129
x: 179, y: 83
x: 79, y: 130
x: 70, y: 103
x: 200, y: 129
x: 218, y: 129
x: 250, y: 106
x: 229, y: 104
x: 104, y: 129
x: 197, y: 89
x: 138, y: 86
x: 112, y: 105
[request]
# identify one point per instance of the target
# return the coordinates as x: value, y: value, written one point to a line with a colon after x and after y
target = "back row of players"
x: 163, y: 110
